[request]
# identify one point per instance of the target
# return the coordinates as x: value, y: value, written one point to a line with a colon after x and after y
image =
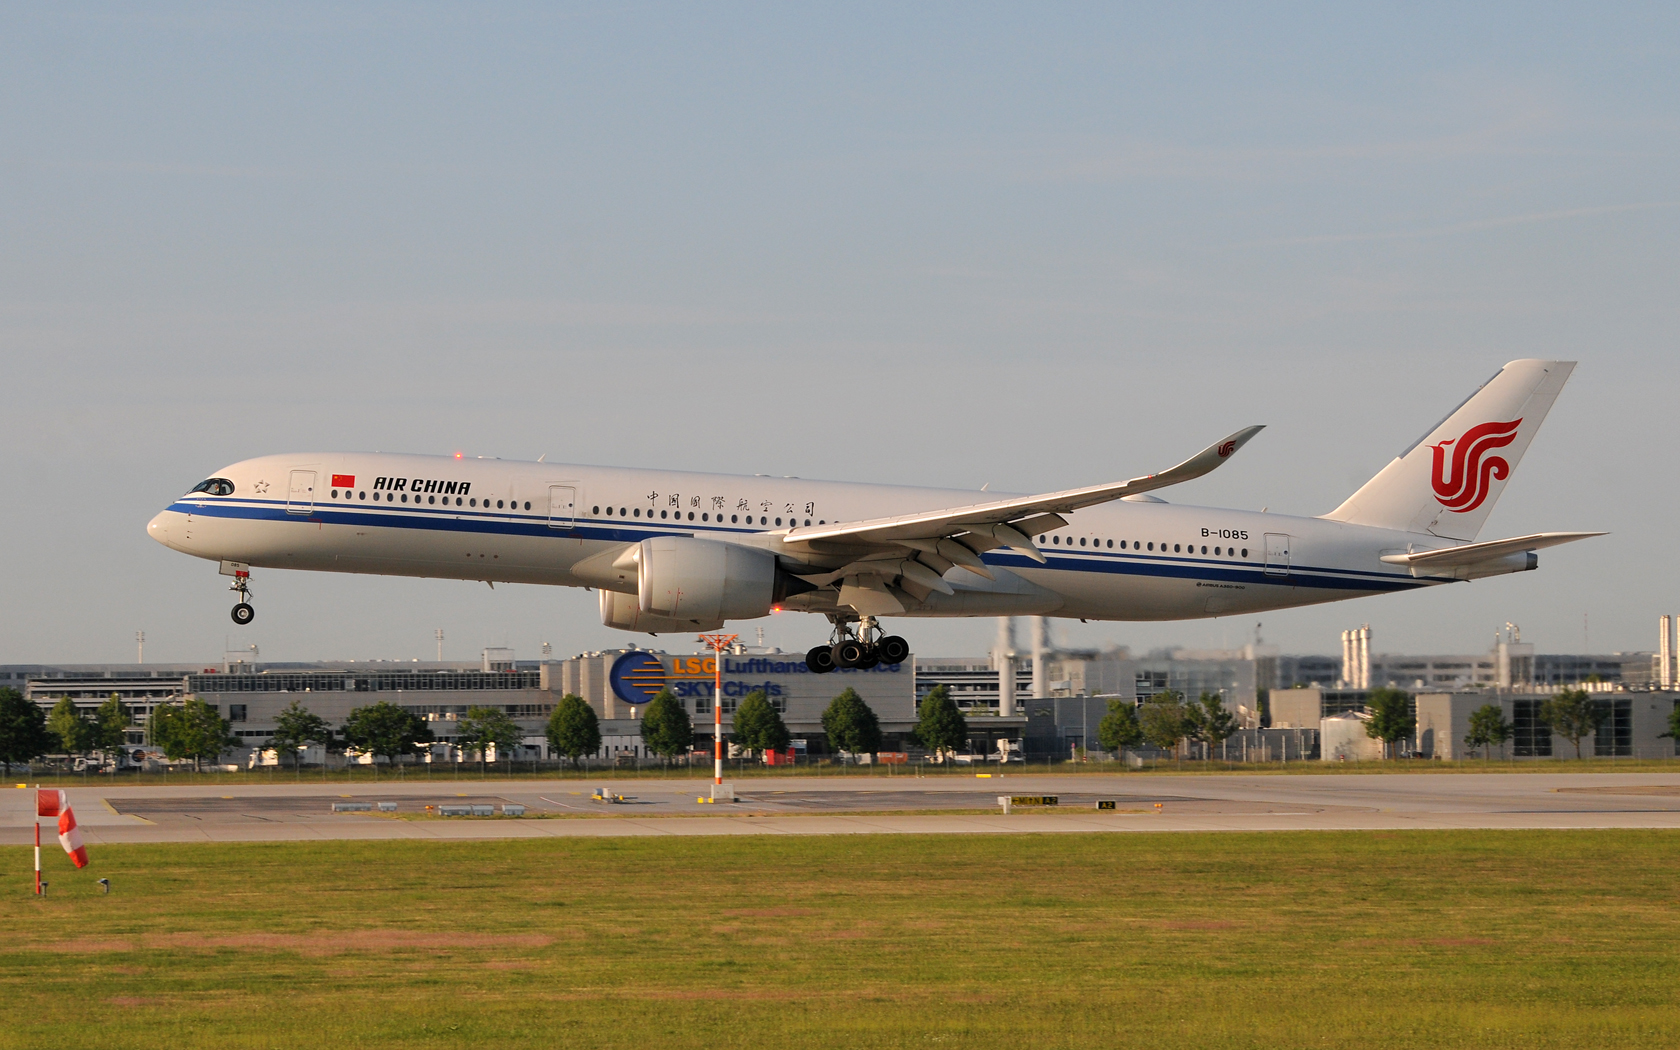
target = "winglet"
x: 1203, y: 462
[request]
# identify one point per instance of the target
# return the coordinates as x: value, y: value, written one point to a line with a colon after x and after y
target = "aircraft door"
x: 562, y: 506
x: 300, y: 496
x: 1277, y: 554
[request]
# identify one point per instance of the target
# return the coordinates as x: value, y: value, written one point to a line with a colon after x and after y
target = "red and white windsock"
x: 50, y: 803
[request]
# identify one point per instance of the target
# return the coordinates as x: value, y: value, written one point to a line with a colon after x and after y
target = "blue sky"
x: 1036, y: 247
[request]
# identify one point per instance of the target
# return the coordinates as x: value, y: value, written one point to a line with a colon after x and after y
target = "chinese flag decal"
x: 344, y: 481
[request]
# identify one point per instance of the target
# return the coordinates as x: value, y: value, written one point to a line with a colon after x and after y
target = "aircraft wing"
x: 936, y: 540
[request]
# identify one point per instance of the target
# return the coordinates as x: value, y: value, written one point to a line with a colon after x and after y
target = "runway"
x: 855, y: 805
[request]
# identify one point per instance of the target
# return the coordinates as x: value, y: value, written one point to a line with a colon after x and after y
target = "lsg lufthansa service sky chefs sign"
x: 637, y: 677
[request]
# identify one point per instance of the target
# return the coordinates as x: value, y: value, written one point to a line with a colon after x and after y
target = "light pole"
x: 718, y: 643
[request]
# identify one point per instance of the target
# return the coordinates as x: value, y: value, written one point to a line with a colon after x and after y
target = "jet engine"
x: 693, y: 579
x: 624, y: 612
x: 685, y: 584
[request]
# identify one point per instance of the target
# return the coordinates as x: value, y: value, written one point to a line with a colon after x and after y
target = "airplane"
x: 682, y: 552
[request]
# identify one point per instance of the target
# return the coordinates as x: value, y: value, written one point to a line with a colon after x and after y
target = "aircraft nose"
x: 158, y: 528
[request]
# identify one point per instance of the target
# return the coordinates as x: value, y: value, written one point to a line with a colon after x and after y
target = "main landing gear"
x: 863, y: 646
x: 242, y: 613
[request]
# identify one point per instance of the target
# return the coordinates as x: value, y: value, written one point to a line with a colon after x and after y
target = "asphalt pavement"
x: 856, y: 805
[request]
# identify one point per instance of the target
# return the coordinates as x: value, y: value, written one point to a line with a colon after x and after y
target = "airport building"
x: 616, y: 683
x: 1047, y: 702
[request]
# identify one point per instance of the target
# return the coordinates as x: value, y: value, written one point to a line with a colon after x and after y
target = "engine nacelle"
x: 693, y: 579
x: 624, y: 612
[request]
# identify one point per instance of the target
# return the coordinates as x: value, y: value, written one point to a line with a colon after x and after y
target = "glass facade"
x: 1615, y: 729
x: 380, y: 682
x: 1531, y: 737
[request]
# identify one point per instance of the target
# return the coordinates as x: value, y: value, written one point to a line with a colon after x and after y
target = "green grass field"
x: 1417, y: 939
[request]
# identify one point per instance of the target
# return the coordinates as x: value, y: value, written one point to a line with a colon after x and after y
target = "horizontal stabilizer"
x: 1471, y: 554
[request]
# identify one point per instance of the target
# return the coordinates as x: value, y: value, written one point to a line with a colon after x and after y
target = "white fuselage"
x: 496, y: 520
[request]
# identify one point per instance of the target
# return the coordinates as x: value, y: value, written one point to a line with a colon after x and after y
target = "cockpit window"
x: 215, y: 487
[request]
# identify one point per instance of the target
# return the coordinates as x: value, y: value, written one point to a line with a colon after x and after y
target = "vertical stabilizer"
x: 1447, y: 483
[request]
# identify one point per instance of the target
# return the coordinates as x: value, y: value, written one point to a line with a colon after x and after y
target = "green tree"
x: 1119, y: 728
x: 23, y: 730
x: 758, y: 726
x: 851, y: 725
x: 1673, y: 723
x: 192, y: 729
x: 295, y: 728
x: 1487, y: 728
x: 385, y: 729
x: 1391, y: 716
x: 939, y: 725
x: 1572, y: 714
x: 573, y: 729
x: 1208, y: 721
x: 110, y: 725
x: 666, y: 729
x: 484, y: 727
x: 71, y: 731
x: 1164, y: 720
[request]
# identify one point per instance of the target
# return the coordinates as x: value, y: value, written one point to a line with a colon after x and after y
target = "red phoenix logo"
x: 1226, y: 449
x: 1463, y: 485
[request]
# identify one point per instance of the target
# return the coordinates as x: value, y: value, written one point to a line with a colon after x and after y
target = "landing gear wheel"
x: 892, y: 649
x: 849, y: 652
x: 820, y: 660
x: 873, y: 659
x: 243, y: 613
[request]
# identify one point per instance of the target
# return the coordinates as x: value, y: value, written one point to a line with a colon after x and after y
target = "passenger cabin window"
x: 215, y: 487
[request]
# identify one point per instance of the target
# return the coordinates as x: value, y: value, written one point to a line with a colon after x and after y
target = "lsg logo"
x: 1462, y: 485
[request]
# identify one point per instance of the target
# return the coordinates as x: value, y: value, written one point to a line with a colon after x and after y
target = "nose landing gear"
x: 863, y: 646
x: 242, y: 613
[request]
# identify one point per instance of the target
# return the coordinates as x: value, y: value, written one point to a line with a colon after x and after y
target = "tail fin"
x: 1447, y: 482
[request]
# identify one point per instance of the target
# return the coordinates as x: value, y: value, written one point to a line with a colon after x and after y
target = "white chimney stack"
x: 1665, y: 652
x: 1003, y: 658
x: 1356, y: 658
